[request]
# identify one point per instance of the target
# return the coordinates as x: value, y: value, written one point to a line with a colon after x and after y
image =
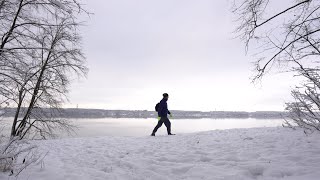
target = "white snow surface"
x: 237, y: 154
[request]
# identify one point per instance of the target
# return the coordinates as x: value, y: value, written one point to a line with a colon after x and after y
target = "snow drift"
x: 259, y: 153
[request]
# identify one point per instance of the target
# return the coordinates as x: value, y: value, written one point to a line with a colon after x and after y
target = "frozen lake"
x: 143, y: 127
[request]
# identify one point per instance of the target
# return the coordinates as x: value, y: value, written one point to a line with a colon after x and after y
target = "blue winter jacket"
x: 163, y: 108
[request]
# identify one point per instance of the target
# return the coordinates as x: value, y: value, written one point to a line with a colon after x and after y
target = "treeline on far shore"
x: 100, y: 113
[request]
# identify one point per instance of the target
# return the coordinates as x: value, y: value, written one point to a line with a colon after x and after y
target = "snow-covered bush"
x: 16, y: 155
x: 304, y: 111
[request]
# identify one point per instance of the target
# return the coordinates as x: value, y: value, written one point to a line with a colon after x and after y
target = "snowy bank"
x: 259, y: 153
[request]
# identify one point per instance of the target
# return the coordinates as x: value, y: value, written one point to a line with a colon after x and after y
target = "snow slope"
x: 259, y: 153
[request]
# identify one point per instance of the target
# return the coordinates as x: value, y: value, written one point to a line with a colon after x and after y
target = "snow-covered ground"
x: 259, y: 153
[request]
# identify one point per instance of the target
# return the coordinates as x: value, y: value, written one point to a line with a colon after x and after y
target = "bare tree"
x: 288, y: 38
x: 40, y: 54
x: 40, y: 51
x: 284, y: 37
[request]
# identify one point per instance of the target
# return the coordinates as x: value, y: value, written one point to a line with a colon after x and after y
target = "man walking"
x: 162, y: 109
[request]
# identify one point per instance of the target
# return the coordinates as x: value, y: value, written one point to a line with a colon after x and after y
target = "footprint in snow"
x: 205, y: 159
x: 248, y: 138
x: 181, y: 170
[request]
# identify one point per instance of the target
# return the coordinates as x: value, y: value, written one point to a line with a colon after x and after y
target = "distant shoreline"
x: 177, y: 114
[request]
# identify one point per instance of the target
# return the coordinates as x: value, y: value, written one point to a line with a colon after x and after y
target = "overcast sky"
x: 138, y: 49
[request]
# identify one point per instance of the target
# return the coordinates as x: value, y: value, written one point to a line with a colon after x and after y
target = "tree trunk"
x: 34, y: 95
x: 15, y: 120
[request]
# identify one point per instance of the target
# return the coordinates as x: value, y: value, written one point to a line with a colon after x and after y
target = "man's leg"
x: 168, y: 125
x: 160, y: 122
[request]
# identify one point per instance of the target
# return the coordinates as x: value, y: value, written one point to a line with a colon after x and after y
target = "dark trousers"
x: 166, y: 122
